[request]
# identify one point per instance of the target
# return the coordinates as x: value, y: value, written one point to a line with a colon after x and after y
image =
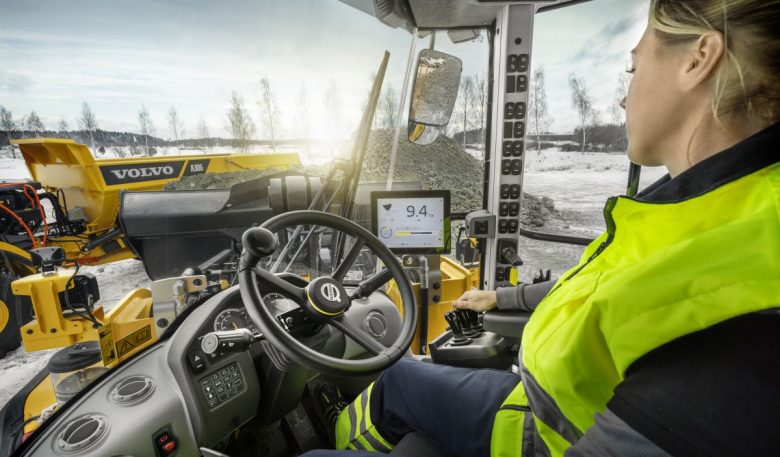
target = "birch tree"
x: 388, y: 108
x: 334, y: 110
x: 62, y: 125
x: 465, y: 103
x: 303, y: 118
x: 269, y: 111
x: 302, y: 115
x: 203, y: 131
x: 617, y: 113
x: 7, y: 125
x: 34, y: 124
x: 240, y: 123
x: 88, y: 123
x: 480, y: 102
x: 538, y: 115
x: 582, y: 103
x: 176, y: 126
x: 145, y: 127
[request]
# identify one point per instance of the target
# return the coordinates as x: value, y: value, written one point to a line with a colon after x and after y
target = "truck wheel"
x: 11, y: 316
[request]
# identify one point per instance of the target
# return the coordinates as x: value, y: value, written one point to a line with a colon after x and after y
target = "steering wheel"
x: 324, y: 299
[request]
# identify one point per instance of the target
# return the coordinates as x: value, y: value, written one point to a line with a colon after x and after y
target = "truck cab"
x: 452, y: 162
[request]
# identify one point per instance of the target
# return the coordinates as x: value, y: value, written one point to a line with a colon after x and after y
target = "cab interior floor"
x: 299, y: 431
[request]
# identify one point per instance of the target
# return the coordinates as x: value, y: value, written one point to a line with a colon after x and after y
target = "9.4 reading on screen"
x: 411, y: 211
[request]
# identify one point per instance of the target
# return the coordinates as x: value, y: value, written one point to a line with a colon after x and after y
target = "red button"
x: 162, y: 438
x: 169, y: 447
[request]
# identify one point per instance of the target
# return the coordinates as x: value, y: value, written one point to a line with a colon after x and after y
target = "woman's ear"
x: 703, y: 60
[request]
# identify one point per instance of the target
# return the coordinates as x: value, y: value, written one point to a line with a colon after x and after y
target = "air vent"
x: 132, y: 389
x: 81, y: 433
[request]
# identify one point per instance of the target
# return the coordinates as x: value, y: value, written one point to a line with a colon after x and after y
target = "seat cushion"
x: 418, y: 445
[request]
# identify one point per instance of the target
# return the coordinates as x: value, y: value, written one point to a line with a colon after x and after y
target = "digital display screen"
x: 412, y: 221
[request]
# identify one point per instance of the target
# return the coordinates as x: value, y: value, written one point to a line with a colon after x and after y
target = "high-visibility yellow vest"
x: 662, y: 271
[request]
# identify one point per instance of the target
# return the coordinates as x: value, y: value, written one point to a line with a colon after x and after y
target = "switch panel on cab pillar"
x: 512, y: 74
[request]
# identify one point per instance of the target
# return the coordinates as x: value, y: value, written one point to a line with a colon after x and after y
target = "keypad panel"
x: 221, y: 385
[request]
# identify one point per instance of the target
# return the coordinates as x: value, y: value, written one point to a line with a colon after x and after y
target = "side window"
x: 576, y: 141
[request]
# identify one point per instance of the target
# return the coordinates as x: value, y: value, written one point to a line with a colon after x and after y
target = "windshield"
x: 235, y: 101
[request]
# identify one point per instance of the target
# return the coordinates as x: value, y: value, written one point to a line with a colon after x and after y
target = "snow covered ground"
x: 578, y: 183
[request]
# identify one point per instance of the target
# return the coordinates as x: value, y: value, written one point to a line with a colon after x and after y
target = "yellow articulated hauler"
x: 73, y: 202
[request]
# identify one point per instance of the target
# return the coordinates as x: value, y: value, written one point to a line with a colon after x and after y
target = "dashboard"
x: 191, y: 402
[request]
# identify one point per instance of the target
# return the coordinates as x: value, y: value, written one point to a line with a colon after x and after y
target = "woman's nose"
x: 623, y: 103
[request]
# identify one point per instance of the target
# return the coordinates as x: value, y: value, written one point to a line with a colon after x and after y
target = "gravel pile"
x: 441, y: 165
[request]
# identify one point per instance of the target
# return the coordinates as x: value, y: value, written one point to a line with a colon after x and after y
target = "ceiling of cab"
x: 444, y: 14
x: 468, y: 13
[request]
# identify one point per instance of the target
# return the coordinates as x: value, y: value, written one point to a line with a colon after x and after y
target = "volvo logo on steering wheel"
x: 330, y: 292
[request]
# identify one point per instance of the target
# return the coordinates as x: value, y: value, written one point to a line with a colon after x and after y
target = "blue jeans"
x: 454, y: 407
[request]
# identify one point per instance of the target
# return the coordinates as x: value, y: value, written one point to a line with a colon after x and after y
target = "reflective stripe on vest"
x: 356, y: 431
x: 663, y: 270
x: 513, y: 428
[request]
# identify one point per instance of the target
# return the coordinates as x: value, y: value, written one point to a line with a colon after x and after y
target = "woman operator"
x: 665, y: 339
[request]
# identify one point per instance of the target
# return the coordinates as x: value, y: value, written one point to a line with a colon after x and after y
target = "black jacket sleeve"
x: 524, y: 297
x: 712, y: 393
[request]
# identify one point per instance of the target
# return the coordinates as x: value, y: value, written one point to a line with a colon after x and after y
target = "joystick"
x: 458, y: 338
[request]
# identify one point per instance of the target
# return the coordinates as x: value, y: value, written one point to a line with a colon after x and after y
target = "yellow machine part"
x: 51, y: 329
x: 19, y: 259
x: 40, y: 398
x: 456, y: 280
x: 129, y: 324
x: 127, y: 329
x: 4, y: 314
x: 65, y: 165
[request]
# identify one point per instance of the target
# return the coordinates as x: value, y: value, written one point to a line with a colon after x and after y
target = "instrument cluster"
x: 235, y: 318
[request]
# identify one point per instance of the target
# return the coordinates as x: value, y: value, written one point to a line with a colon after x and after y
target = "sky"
x: 192, y: 54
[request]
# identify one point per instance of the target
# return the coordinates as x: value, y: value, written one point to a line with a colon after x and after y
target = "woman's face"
x: 655, y: 105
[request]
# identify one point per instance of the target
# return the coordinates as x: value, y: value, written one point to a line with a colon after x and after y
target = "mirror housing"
x: 422, y: 134
x: 434, y: 92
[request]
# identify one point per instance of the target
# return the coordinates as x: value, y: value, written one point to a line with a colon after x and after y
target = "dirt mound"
x: 224, y: 180
x: 441, y: 165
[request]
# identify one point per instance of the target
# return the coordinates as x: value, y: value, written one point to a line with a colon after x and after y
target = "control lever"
x: 371, y: 285
x: 237, y: 340
x: 473, y: 319
x: 458, y: 338
x: 465, y: 324
x: 511, y: 257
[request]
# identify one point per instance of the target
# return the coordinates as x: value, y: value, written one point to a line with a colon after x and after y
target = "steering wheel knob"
x: 326, y: 297
x: 259, y: 242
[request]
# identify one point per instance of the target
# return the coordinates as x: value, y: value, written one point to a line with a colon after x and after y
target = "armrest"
x: 509, y: 324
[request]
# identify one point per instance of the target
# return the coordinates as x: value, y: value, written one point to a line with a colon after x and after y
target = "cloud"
x: 613, y: 33
x: 13, y: 82
x: 610, y: 31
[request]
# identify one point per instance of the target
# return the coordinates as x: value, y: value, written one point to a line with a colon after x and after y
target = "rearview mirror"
x: 434, y: 93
